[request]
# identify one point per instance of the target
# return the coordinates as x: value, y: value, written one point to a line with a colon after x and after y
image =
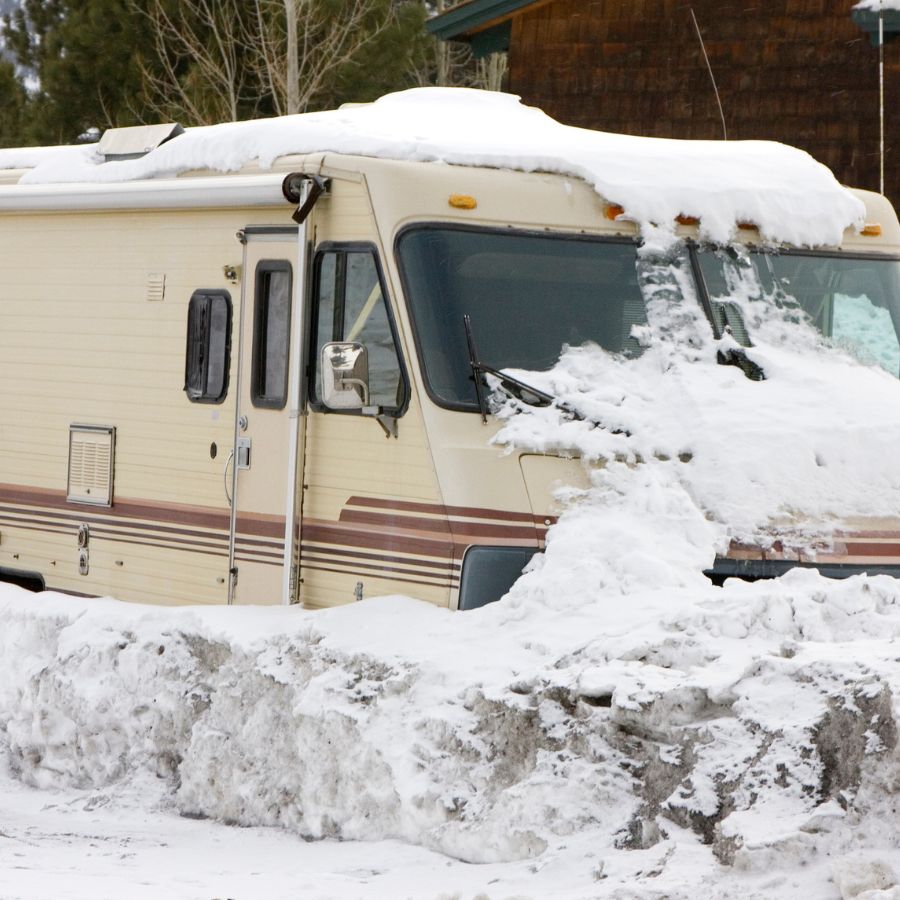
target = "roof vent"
x: 136, y: 141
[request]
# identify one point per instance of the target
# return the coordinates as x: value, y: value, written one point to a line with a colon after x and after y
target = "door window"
x: 271, y: 335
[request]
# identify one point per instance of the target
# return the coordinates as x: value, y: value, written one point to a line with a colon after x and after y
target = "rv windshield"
x: 853, y: 300
x: 528, y: 296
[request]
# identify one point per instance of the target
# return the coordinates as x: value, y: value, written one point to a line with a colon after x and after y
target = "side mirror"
x: 345, y: 375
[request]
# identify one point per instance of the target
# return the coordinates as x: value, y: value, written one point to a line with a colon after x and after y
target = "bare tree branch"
x: 221, y: 59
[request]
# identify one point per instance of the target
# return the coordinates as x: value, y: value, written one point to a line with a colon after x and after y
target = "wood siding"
x: 796, y: 71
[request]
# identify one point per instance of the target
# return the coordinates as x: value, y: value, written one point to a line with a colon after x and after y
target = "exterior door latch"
x: 243, y: 452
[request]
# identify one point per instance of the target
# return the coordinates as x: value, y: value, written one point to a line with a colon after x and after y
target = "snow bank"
x: 783, y: 190
x: 754, y: 723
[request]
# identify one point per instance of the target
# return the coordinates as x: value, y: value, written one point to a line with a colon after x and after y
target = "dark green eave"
x: 472, y: 22
x: 867, y: 20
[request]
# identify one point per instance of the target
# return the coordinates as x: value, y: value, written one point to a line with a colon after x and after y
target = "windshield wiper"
x: 515, y: 387
x: 519, y: 389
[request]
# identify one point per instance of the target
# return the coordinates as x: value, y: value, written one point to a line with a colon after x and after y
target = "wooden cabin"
x: 804, y: 72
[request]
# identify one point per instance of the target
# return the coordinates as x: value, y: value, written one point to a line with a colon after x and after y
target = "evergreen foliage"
x: 76, y: 65
x: 82, y: 54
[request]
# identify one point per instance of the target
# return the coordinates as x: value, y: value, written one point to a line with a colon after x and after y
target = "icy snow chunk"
x: 859, y: 878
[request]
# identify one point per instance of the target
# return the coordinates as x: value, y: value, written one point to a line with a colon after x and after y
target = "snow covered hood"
x: 787, y: 194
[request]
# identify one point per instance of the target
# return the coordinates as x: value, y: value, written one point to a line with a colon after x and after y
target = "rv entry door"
x: 267, y: 440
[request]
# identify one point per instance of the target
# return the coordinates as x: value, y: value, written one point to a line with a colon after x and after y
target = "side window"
x: 350, y: 306
x: 271, y: 335
x: 208, y: 347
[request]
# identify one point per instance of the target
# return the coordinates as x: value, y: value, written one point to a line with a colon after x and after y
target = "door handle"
x: 225, y: 475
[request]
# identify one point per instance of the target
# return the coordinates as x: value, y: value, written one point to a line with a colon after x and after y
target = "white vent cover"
x: 136, y: 140
x: 156, y: 286
x: 91, y: 452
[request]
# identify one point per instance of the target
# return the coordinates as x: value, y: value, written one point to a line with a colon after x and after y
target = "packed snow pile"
x: 691, y: 731
x: 781, y: 189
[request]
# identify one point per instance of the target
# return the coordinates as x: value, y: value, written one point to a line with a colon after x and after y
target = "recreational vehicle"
x: 266, y: 385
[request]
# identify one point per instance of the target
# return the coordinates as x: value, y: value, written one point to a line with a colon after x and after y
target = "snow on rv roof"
x: 791, y: 197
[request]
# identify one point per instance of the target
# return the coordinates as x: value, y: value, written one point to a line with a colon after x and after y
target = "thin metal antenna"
x: 881, y: 96
x: 712, y: 77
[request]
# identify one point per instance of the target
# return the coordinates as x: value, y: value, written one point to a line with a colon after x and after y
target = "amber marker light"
x: 871, y: 229
x: 462, y: 201
x: 613, y: 211
x: 748, y: 226
x: 687, y: 220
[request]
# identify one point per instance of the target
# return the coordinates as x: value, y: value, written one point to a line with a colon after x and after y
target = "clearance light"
x: 871, y: 229
x: 462, y: 201
x: 687, y: 220
x: 613, y: 211
x: 748, y: 226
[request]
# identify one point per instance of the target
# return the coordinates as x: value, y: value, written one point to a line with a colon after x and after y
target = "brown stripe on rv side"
x: 164, y: 539
x: 322, y: 532
x: 221, y: 554
x: 240, y: 557
x: 442, y: 565
x: 864, y: 549
x: 103, y: 526
x: 122, y: 536
x: 393, y: 578
x: 309, y: 562
x: 261, y: 524
x: 413, y: 523
x: 473, y: 512
x: 99, y: 520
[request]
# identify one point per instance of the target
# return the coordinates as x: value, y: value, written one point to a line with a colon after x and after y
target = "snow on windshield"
x: 783, y: 190
x: 758, y: 458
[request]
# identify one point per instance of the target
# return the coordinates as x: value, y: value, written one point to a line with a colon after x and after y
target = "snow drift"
x: 758, y: 720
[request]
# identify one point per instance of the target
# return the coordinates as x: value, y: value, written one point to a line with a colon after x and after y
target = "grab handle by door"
x: 225, y: 476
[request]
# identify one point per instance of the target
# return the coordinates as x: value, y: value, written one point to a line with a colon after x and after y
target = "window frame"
x: 480, y: 229
x: 210, y: 293
x: 263, y: 268
x: 321, y: 250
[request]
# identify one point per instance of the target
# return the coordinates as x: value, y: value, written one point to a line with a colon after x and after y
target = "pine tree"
x: 12, y: 108
x: 82, y: 54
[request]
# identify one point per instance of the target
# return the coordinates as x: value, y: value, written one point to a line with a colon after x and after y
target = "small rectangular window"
x: 208, y: 347
x: 271, y: 335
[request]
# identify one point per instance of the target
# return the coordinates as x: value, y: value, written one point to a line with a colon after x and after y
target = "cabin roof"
x: 484, y: 24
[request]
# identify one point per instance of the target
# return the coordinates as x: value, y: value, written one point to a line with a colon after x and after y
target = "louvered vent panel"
x: 91, y: 464
x: 156, y: 286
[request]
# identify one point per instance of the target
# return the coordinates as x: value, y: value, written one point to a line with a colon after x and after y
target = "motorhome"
x: 265, y: 385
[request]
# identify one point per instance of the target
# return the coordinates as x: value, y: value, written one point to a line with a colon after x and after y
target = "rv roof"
x: 789, y: 196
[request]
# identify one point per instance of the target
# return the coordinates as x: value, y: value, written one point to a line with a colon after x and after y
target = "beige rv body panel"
x: 93, y: 307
